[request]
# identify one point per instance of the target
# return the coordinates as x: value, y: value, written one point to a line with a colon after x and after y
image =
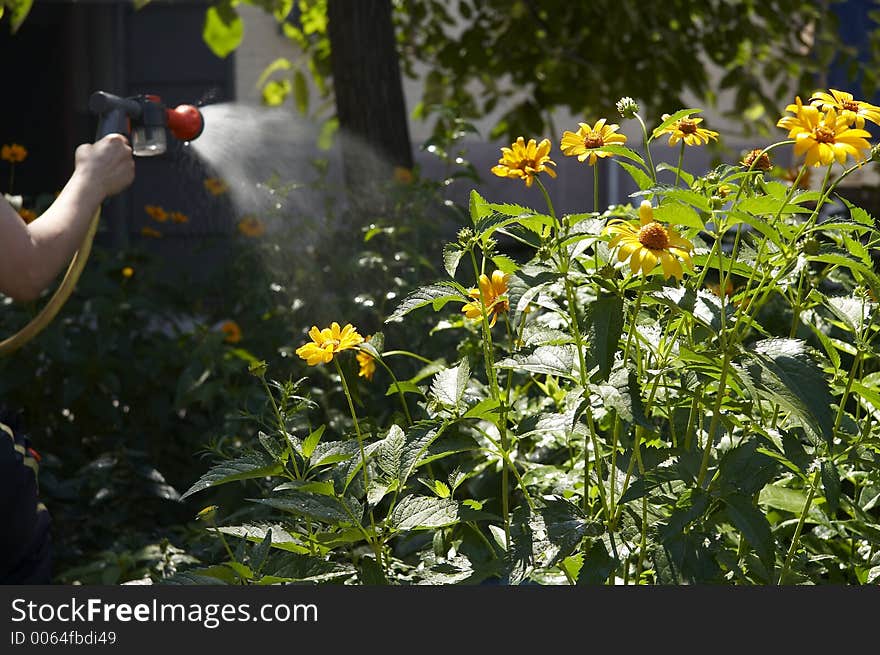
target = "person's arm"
x: 31, y: 255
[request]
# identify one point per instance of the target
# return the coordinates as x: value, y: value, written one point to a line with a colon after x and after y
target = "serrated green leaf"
x: 449, y: 385
x: 853, y: 311
x: 260, y: 552
x: 424, y: 513
x: 311, y: 441
x: 241, y: 468
x: 327, y: 509
x: 547, y: 360
x: 778, y: 497
x: 280, y: 538
x: 333, y: 452
x: 831, y: 485
x: 604, y: 322
x: 676, y: 213
x: 436, y: 295
x: 478, y: 207
x: 642, y: 179
x: 751, y: 521
x: 486, y: 409
x: 786, y: 374
x: 390, y: 453
x: 419, y: 437
x: 621, y: 393
x: 452, y: 254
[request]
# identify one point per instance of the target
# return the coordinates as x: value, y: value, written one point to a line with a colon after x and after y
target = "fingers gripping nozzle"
x: 144, y: 119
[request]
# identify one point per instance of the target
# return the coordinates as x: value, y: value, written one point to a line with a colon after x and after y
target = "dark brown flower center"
x: 654, y: 236
x: 593, y: 140
x: 687, y: 126
x: 823, y: 134
x: 850, y: 105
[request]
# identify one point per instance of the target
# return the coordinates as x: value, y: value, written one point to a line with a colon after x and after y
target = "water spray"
x: 146, y: 122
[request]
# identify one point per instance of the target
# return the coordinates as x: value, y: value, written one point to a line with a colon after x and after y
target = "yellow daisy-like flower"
x: 525, y: 160
x: 231, y: 331
x: 688, y: 130
x: 150, y: 232
x: 588, y: 141
x: 327, y: 342
x: 854, y: 111
x: 494, y: 298
x: 13, y: 153
x: 156, y: 212
x: 823, y: 137
x: 27, y: 215
x: 251, y: 226
x: 179, y: 217
x: 127, y: 272
x: 367, y: 363
x: 649, y: 243
x: 215, y: 186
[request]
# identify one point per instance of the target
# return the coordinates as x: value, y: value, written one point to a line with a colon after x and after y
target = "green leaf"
x: 327, y: 509
x: 419, y: 437
x: 18, y: 12
x: 424, y: 513
x: 642, y: 179
x: 241, y: 468
x: 604, y: 319
x: 686, y: 177
x: 436, y: 295
x: 282, y: 63
x: 333, y: 452
x: 495, y: 221
x: 751, y: 521
x: 311, y: 441
x: 548, y: 360
x: 486, y: 409
x: 275, y: 92
x: 786, y: 374
x: 449, y: 385
x: 389, y: 456
x: 328, y: 131
x: 279, y: 537
x: 831, y: 484
x: 853, y: 311
x: 478, y: 207
x: 779, y: 497
x: 291, y: 567
x: 260, y: 552
x: 676, y: 213
x: 597, y: 566
x: 223, y: 29
x: 452, y: 254
x: 621, y: 393
x: 403, y: 387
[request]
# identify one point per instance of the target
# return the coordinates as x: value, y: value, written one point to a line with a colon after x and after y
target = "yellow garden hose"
x: 62, y: 293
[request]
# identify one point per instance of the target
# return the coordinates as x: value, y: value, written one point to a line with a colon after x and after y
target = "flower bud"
x: 627, y: 107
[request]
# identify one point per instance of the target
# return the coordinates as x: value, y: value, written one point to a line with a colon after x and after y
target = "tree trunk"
x: 370, y: 105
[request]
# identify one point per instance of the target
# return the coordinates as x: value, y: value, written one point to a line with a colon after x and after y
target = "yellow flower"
x: 589, y: 141
x: 150, y: 232
x: 250, y: 226
x: 127, y: 271
x: 494, y: 297
x: 649, y: 244
x: 215, y: 186
x: 367, y: 363
x: 854, y: 111
x: 231, y: 330
x: 13, y: 153
x: 27, y: 215
x: 525, y: 160
x: 687, y: 129
x: 156, y: 213
x: 179, y: 217
x: 327, y: 342
x: 823, y: 137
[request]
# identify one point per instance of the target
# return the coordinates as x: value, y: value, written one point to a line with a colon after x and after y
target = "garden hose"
x: 62, y: 293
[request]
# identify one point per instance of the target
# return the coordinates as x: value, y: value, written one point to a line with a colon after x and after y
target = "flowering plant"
x: 679, y: 389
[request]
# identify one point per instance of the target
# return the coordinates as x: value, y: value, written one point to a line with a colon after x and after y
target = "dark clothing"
x: 24, y: 521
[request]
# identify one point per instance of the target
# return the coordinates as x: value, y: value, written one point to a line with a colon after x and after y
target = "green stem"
x: 716, y: 417
x: 397, y: 386
x: 282, y: 427
x: 800, y: 526
x: 680, y: 162
x: 647, y: 141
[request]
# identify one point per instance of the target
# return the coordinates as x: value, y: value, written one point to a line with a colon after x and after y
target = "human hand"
x: 107, y: 164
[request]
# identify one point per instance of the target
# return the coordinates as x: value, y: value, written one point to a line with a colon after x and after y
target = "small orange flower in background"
x: 216, y: 186
x: 367, y: 363
x: 402, y: 175
x: 494, y: 297
x: 688, y: 130
x: 251, y: 226
x: 758, y: 157
x: 150, y: 232
x: 231, y: 331
x: 156, y: 212
x: 588, y: 141
x: 127, y: 272
x: 525, y: 160
x: 179, y: 217
x: 13, y: 153
x: 327, y: 342
x: 27, y: 215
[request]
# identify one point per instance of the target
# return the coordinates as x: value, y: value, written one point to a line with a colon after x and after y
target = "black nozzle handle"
x: 114, y: 113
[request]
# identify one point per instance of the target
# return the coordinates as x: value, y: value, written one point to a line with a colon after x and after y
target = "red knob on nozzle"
x: 185, y: 122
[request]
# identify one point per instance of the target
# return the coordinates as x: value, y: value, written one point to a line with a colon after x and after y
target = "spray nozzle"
x: 143, y: 120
